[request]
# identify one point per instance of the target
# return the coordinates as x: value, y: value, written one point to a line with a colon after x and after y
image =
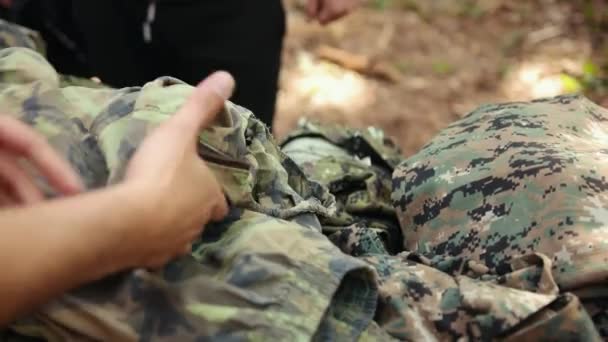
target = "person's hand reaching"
x: 326, y: 11
x: 20, y: 144
x: 151, y: 217
x: 177, y: 189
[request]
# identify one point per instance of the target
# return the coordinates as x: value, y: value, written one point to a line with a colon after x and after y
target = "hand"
x: 6, y: 3
x: 326, y: 11
x: 174, y: 183
x: 19, y: 143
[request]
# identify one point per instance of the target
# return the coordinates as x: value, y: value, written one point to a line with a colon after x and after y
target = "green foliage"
x: 590, y: 71
x: 381, y: 4
x: 442, y: 68
x: 589, y: 81
x: 588, y: 9
x: 570, y: 84
x: 503, y: 70
x: 403, y: 66
x: 406, y: 5
x: 471, y: 9
x: 512, y: 42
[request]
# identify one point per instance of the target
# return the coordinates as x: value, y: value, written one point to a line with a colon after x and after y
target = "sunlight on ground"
x: 547, y: 86
x: 450, y: 62
x: 323, y: 85
x: 532, y: 80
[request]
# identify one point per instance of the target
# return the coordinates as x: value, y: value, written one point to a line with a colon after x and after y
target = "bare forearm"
x: 55, y: 246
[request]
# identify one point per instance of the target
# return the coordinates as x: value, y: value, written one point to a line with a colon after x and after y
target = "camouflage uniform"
x: 267, y: 272
x: 356, y: 166
x: 417, y: 301
x: 511, y: 180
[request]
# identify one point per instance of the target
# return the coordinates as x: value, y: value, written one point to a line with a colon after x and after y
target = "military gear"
x: 356, y: 166
x: 511, y: 180
x: 463, y: 270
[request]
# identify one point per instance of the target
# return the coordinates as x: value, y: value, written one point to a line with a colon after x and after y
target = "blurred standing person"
x: 128, y: 43
x: 132, y: 42
x: 53, y: 20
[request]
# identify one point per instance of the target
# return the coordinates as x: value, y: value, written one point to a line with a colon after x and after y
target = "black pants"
x: 54, y: 21
x: 190, y: 40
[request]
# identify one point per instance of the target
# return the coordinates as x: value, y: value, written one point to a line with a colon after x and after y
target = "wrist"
x: 122, y: 215
x: 138, y: 212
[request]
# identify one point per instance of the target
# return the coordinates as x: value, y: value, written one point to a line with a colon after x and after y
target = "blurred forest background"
x: 413, y: 66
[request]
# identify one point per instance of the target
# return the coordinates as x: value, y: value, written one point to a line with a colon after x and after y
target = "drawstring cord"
x: 147, y: 24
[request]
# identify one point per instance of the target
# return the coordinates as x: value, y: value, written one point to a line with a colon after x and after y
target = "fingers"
x: 203, y: 105
x: 186, y: 250
x: 21, y: 139
x: 312, y: 8
x: 159, y: 262
x: 6, y: 200
x: 220, y: 211
x: 19, y: 182
x: 326, y: 11
x: 331, y: 12
x: 7, y: 197
x: 327, y: 16
x: 216, y: 198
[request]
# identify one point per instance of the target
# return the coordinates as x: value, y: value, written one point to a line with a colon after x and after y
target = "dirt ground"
x: 452, y: 56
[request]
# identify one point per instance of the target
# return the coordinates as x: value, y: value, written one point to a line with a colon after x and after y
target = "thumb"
x: 203, y: 105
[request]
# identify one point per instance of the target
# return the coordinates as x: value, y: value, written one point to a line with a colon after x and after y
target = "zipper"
x: 147, y: 24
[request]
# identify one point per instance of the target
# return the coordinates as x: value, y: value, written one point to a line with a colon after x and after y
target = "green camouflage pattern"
x: 356, y: 166
x: 98, y: 129
x: 308, y: 250
x: 241, y: 276
x: 511, y: 180
x: 12, y: 35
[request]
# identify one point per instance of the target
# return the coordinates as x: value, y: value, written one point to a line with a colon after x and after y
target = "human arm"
x: 53, y: 246
x: 168, y: 195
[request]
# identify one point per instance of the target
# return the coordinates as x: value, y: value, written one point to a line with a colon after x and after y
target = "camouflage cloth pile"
x: 496, y: 230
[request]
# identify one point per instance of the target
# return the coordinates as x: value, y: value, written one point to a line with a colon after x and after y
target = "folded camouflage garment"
x: 495, y: 230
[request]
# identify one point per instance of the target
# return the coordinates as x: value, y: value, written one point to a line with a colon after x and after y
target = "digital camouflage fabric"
x: 417, y: 301
x: 311, y: 249
x: 512, y: 180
